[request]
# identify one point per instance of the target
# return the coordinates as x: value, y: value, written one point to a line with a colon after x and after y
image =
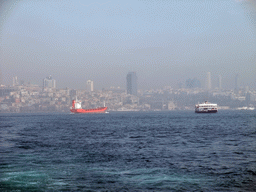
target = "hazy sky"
x: 164, y: 41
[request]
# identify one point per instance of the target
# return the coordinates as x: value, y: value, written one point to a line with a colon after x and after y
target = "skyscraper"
x: 1, y: 78
x: 15, y: 81
x: 131, y: 83
x: 90, y: 85
x: 219, y: 80
x: 49, y: 82
x: 236, y: 82
x: 208, y: 81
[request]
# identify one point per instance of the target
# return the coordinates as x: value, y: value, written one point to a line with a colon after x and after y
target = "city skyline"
x: 165, y: 42
x: 188, y: 83
x: 32, y: 98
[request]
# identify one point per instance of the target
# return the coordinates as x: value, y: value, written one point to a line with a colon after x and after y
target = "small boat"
x: 206, y: 107
x: 246, y: 108
x: 250, y: 108
x: 77, y: 108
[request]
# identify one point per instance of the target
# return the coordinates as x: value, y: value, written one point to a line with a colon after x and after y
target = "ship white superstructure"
x: 206, y: 107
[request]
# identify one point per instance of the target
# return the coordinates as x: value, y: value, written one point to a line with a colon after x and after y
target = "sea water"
x: 128, y: 151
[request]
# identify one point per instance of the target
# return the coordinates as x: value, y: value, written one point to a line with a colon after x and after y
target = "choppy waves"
x: 161, y: 151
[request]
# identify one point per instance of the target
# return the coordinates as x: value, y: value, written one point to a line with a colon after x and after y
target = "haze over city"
x: 165, y: 42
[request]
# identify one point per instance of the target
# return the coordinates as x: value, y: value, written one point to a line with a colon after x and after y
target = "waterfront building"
x: 131, y: 83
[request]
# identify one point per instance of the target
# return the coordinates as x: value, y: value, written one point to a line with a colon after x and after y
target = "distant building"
x: 193, y: 83
x: 90, y: 85
x: 73, y: 93
x: 236, y: 83
x: 208, y: 81
x: 49, y: 82
x: 248, y: 98
x: 220, y: 82
x: 131, y: 83
x: 1, y: 78
x: 247, y: 89
x: 15, y: 81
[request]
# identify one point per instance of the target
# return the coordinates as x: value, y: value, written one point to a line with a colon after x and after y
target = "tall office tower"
x: 219, y: 80
x: 247, y: 89
x: 131, y: 83
x: 236, y: 82
x: 15, y: 81
x: 1, y: 78
x: 90, y: 85
x: 208, y: 82
x: 49, y: 82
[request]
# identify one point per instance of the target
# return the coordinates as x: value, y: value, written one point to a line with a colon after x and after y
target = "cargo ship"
x: 206, y: 107
x: 77, y: 108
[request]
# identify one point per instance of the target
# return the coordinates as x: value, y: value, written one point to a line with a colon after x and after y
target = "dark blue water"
x: 157, y: 151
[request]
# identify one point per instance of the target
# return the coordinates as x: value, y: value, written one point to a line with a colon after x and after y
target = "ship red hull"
x: 96, y: 110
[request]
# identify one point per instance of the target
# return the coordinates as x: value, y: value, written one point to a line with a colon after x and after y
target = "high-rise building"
x: 219, y: 81
x: 208, y: 81
x: 15, y: 81
x: 236, y: 82
x: 193, y: 83
x: 90, y: 85
x: 131, y: 83
x: 1, y: 78
x: 49, y: 82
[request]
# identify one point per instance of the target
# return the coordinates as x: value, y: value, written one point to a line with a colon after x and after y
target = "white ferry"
x: 206, y: 107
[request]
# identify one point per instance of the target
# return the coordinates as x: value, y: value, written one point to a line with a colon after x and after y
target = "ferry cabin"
x: 206, y: 108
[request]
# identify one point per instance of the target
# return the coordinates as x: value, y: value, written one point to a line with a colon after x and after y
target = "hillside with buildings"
x: 20, y: 98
